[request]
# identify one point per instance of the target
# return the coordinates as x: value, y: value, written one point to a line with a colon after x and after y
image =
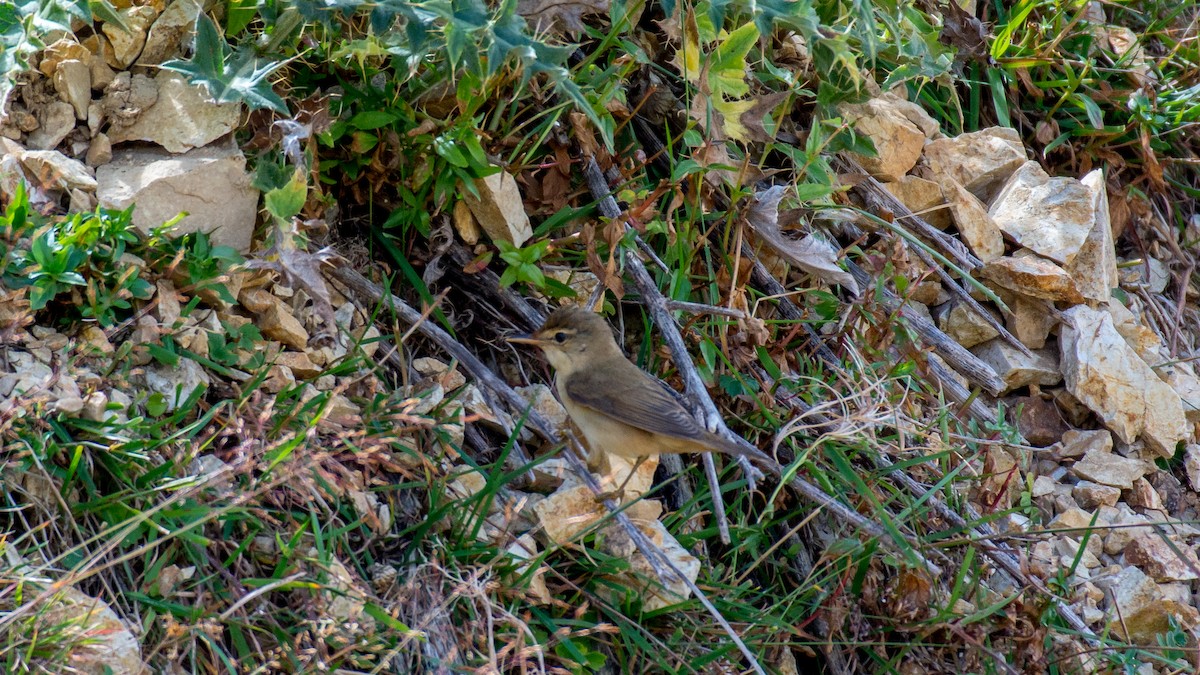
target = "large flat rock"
x: 210, y: 184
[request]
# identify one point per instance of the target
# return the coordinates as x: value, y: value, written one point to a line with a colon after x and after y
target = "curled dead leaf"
x: 813, y: 255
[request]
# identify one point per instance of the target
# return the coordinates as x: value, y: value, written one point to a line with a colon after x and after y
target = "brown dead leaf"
x: 302, y: 270
x: 583, y: 134
x: 1119, y: 211
x: 1153, y: 169
x: 752, y: 119
x: 1027, y: 80
x: 964, y: 32
x: 908, y: 594
x: 606, y: 272
x: 670, y: 26
x: 1046, y: 131
x: 562, y: 15
x: 811, y: 254
x: 478, y: 264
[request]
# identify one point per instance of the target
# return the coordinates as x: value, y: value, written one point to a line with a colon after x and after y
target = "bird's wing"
x: 637, y: 399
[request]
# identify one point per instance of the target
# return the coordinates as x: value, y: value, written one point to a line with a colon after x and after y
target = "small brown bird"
x: 620, y: 408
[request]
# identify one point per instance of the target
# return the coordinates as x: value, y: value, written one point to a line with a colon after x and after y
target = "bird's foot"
x: 617, y: 495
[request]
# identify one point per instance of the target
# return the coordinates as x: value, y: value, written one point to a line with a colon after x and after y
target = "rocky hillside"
x: 257, y: 262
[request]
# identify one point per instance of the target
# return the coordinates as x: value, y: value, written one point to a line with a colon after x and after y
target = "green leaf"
x: 72, y: 278
x: 1014, y: 21
x: 156, y: 405
x: 999, y: 96
x: 1094, y: 114
x: 239, y: 14
x: 102, y: 10
x: 532, y: 275
x: 798, y: 14
x: 237, y: 77
x: 285, y: 202
x: 368, y: 120
x: 449, y: 150
x: 41, y: 294
x: 727, y: 66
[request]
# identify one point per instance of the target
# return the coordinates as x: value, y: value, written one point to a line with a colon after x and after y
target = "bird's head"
x: 571, y: 337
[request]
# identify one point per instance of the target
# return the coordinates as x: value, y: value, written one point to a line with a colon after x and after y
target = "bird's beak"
x: 523, y: 339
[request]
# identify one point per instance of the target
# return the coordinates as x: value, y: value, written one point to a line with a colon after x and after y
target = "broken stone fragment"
x: 1110, y: 469
x: 1077, y: 443
x: 499, y: 208
x: 1149, y: 273
x: 127, y: 41
x: 1139, y: 611
x: 299, y: 364
x: 525, y: 548
x: 278, y: 323
x: 898, y: 141
x: 1075, y: 523
x: 110, y: 647
x: 448, y: 377
x: 476, y: 403
x: 1179, y: 374
x: 73, y: 82
x: 100, y: 151
x: 616, y: 471
x: 55, y: 120
x: 1049, y: 216
x: 62, y: 50
x: 1111, y: 379
x: 641, y: 577
x: 1143, y: 496
x: 465, y: 223
x: 125, y: 98
x: 1044, y: 485
x: 1094, y: 268
x: 544, y: 403
x: 1032, y: 276
x: 1039, y: 422
x: 978, y: 161
x: 1016, y: 369
x: 170, y: 30
x: 343, y: 412
x: 1091, y: 495
x: 1191, y: 461
x: 977, y: 228
x: 573, y: 508
x: 1068, y: 550
x: 182, y: 117
x: 1031, y: 320
x: 966, y: 327
x: 178, y: 383
x: 924, y: 198
x: 1125, y: 526
x: 57, y: 171
x: 1000, y: 478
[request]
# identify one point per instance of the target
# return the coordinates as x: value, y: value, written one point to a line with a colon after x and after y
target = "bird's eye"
x: 560, y: 337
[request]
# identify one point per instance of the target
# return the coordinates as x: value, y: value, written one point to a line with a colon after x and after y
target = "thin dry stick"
x: 700, y: 308
x: 656, y: 304
x: 662, y: 565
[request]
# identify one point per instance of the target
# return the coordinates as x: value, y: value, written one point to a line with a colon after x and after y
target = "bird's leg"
x: 619, y: 493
